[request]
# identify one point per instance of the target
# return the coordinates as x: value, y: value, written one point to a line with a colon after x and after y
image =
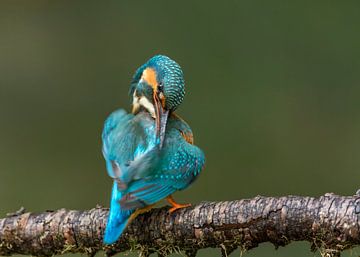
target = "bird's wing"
x: 112, y: 129
x: 180, y: 163
x: 129, y: 146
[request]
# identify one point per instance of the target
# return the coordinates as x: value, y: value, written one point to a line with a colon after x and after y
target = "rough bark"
x: 330, y: 223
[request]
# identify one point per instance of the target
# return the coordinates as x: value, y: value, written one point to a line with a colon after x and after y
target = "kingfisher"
x: 150, y: 152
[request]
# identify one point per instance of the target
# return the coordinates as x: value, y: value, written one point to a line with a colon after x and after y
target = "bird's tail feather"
x: 117, y: 219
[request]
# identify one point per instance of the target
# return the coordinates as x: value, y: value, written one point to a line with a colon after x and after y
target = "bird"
x: 149, y: 152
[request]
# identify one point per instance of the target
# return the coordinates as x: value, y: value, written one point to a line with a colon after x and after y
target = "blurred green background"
x: 272, y: 96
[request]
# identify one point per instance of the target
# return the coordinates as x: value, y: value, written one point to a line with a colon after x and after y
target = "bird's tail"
x: 117, y: 219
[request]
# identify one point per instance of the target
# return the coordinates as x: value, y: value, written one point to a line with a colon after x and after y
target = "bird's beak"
x: 161, y: 120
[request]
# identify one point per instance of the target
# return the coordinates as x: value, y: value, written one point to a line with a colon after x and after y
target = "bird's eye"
x: 160, y: 87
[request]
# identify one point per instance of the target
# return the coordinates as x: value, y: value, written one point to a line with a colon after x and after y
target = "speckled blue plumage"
x: 143, y: 172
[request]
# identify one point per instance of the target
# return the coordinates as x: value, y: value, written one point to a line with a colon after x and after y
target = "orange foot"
x: 175, y: 205
x: 140, y: 211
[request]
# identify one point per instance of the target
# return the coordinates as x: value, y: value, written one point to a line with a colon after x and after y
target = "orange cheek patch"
x: 149, y: 75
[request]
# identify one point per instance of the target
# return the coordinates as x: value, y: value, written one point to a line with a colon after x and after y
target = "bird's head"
x: 158, y: 87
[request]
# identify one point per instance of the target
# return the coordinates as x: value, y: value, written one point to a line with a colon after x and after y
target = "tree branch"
x: 331, y: 223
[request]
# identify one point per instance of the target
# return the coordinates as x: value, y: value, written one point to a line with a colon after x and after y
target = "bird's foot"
x: 179, y: 206
x: 140, y: 211
x: 175, y: 205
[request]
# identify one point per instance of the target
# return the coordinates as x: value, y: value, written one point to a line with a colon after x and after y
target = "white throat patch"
x: 144, y: 102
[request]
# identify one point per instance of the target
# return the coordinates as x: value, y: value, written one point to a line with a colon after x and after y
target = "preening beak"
x: 146, y: 88
x: 161, y: 120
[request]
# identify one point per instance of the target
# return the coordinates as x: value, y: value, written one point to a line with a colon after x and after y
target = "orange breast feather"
x: 188, y: 137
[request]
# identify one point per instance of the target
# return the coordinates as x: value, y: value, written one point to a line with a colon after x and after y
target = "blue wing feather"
x: 180, y: 163
x: 129, y: 145
x: 145, y: 192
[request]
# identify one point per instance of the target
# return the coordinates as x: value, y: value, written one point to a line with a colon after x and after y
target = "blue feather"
x: 117, y: 219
